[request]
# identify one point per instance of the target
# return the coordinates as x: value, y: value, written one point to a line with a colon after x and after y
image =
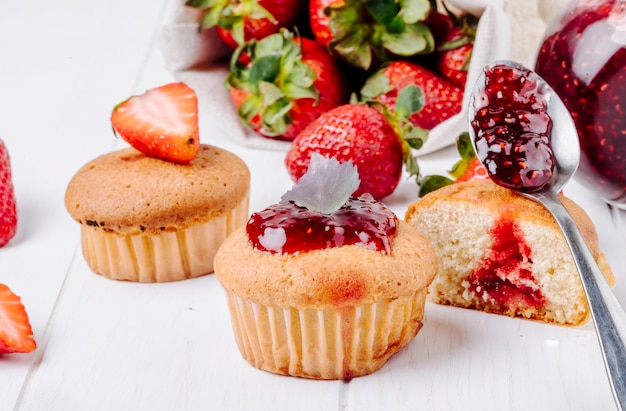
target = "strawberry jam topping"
x: 512, y: 129
x: 288, y: 228
x: 505, y: 275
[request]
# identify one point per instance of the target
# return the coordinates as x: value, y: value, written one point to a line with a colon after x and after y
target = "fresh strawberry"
x: 162, y: 122
x: 441, y: 99
x: 282, y: 83
x: 474, y: 171
x: 16, y: 334
x: 8, y: 209
x: 455, y: 51
x: 366, y: 33
x: 440, y: 24
x: 467, y: 168
x: 363, y: 135
x: 239, y: 21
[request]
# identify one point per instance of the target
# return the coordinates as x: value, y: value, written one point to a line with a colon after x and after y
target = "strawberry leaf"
x: 383, y: 11
x: 265, y: 68
x: 415, y: 137
x: 467, y: 154
x: 354, y: 49
x: 414, y: 10
x: 410, y: 100
x: 466, y: 151
x: 326, y: 185
x: 414, y: 39
x: 375, y: 85
x: 432, y: 183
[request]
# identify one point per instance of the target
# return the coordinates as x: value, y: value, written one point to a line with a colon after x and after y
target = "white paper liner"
x: 327, y: 343
x: 168, y: 256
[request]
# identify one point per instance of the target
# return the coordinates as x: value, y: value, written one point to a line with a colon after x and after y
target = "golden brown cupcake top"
x: 128, y: 192
x: 338, y: 276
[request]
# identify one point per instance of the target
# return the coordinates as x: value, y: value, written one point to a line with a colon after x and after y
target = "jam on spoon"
x: 512, y: 128
x: 304, y: 220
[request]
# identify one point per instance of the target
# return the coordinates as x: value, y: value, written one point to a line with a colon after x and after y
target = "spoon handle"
x: 608, y: 316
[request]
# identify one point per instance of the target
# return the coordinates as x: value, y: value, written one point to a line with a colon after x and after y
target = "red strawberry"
x: 440, y: 24
x: 455, y: 52
x: 363, y: 33
x: 16, y: 334
x: 281, y: 83
x: 467, y: 168
x: 474, y: 171
x: 441, y: 100
x: 8, y: 209
x: 162, y: 123
x: 319, y: 19
x: 359, y: 133
x: 239, y: 21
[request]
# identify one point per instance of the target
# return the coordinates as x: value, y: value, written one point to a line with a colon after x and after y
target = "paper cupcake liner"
x: 325, y: 344
x: 168, y: 256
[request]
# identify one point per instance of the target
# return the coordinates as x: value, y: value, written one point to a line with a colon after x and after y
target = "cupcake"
x: 148, y: 220
x: 323, y: 285
x: 158, y: 210
x: 503, y: 253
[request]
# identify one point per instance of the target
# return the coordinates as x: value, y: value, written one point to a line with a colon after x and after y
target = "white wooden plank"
x: 62, y: 66
x: 120, y: 345
x: 112, y: 345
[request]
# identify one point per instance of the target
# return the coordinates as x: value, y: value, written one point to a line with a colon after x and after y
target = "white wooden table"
x: 107, y: 345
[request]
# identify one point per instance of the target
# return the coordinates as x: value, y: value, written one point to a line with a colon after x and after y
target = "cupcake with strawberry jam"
x: 159, y: 210
x: 323, y: 285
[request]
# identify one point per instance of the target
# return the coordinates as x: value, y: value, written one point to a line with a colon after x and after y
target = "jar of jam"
x: 583, y: 58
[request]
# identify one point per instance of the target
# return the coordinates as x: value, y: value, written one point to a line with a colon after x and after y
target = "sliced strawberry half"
x: 16, y: 334
x: 162, y: 122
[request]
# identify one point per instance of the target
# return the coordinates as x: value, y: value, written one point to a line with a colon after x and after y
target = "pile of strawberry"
x: 352, y: 79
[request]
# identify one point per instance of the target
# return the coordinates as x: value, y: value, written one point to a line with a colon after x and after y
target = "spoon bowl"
x: 607, y: 314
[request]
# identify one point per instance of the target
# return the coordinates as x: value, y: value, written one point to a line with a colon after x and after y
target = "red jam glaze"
x: 505, y: 275
x: 585, y: 63
x: 512, y: 129
x: 288, y: 228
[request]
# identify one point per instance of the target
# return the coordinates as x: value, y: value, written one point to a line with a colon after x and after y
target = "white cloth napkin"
x: 507, y: 29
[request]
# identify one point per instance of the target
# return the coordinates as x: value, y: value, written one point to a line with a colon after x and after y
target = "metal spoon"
x: 608, y: 316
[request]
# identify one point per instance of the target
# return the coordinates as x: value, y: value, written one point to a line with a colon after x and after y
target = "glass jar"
x: 583, y: 58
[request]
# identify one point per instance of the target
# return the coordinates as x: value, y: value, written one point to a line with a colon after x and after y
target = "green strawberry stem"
x: 230, y: 14
x: 466, y: 152
x: 374, y: 28
x: 410, y: 100
x: 274, y: 77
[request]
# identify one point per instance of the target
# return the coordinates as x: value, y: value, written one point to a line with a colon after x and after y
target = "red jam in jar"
x: 288, y: 228
x: 583, y: 58
x: 512, y: 128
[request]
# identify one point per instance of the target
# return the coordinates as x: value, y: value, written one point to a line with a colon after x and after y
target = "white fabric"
x: 508, y: 29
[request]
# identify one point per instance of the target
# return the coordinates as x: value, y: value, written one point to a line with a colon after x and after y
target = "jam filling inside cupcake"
x: 505, y: 275
x: 289, y: 228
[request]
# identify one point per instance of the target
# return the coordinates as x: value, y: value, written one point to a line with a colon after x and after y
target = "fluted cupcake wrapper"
x: 167, y: 256
x: 327, y: 343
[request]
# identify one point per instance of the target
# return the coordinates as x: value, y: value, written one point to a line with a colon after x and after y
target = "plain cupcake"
x: 149, y: 220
